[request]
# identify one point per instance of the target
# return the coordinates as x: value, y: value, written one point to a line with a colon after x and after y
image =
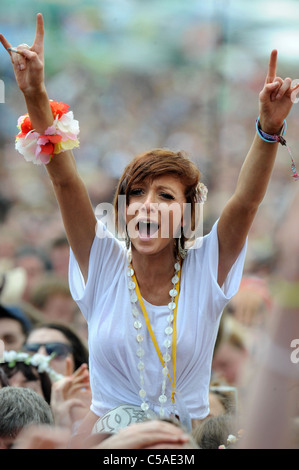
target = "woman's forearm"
x: 39, y: 109
x: 256, y: 172
x: 69, y: 188
x: 71, y: 193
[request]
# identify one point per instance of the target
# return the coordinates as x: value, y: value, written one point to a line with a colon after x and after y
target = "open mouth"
x: 147, y: 229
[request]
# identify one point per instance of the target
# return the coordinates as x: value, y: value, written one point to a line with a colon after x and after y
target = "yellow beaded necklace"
x: 171, y: 329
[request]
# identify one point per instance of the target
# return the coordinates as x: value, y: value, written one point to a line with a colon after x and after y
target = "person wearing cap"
x: 14, y: 327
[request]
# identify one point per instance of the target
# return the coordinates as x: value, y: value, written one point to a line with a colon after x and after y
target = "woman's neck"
x: 154, y: 274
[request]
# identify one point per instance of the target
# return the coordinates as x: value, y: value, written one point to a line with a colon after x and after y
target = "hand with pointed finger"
x: 28, y: 62
x: 276, y: 98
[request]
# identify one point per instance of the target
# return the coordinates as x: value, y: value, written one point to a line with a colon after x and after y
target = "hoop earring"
x: 182, y: 251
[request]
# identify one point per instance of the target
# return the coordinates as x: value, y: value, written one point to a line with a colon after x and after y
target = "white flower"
x: 21, y: 357
x: 39, y: 361
x: 231, y: 439
x: 54, y: 376
x: 27, y: 146
x: 202, y: 192
x: 67, y: 126
x: 9, y: 356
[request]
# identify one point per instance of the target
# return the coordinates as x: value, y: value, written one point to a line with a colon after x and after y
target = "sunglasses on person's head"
x: 59, y: 350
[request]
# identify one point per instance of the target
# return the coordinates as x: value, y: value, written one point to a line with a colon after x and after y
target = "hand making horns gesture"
x: 28, y: 62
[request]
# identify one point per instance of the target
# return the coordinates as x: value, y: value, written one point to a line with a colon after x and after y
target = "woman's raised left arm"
x: 275, y: 103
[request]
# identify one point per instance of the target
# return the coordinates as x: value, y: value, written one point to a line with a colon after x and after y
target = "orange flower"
x: 49, y: 137
x: 47, y: 148
x: 47, y: 142
x: 26, y: 125
x: 58, y: 108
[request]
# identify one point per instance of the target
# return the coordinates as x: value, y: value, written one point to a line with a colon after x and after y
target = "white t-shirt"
x: 105, y: 303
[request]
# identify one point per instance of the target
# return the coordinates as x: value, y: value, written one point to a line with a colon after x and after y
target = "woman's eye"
x: 136, y: 192
x: 167, y: 196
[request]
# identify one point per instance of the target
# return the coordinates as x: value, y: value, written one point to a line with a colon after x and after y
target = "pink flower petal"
x: 45, y: 158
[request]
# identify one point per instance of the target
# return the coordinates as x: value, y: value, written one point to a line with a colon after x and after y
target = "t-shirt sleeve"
x: 233, y: 278
x: 232, y: 282
x: 105, y: 255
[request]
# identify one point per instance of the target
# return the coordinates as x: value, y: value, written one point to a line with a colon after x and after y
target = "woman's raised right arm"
x: 75, y: 206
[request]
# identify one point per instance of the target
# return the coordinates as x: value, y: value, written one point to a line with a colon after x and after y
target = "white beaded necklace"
x: 170, y: 330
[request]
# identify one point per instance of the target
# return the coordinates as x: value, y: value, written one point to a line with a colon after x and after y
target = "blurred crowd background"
x: 143, y: 74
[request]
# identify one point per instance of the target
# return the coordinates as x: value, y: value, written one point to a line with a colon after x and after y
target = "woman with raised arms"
x: 152, y: 306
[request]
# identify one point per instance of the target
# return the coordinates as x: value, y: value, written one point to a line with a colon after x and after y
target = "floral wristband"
x: 61, y: 136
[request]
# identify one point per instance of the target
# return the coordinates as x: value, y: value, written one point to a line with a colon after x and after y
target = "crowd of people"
x: 51, y: 337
